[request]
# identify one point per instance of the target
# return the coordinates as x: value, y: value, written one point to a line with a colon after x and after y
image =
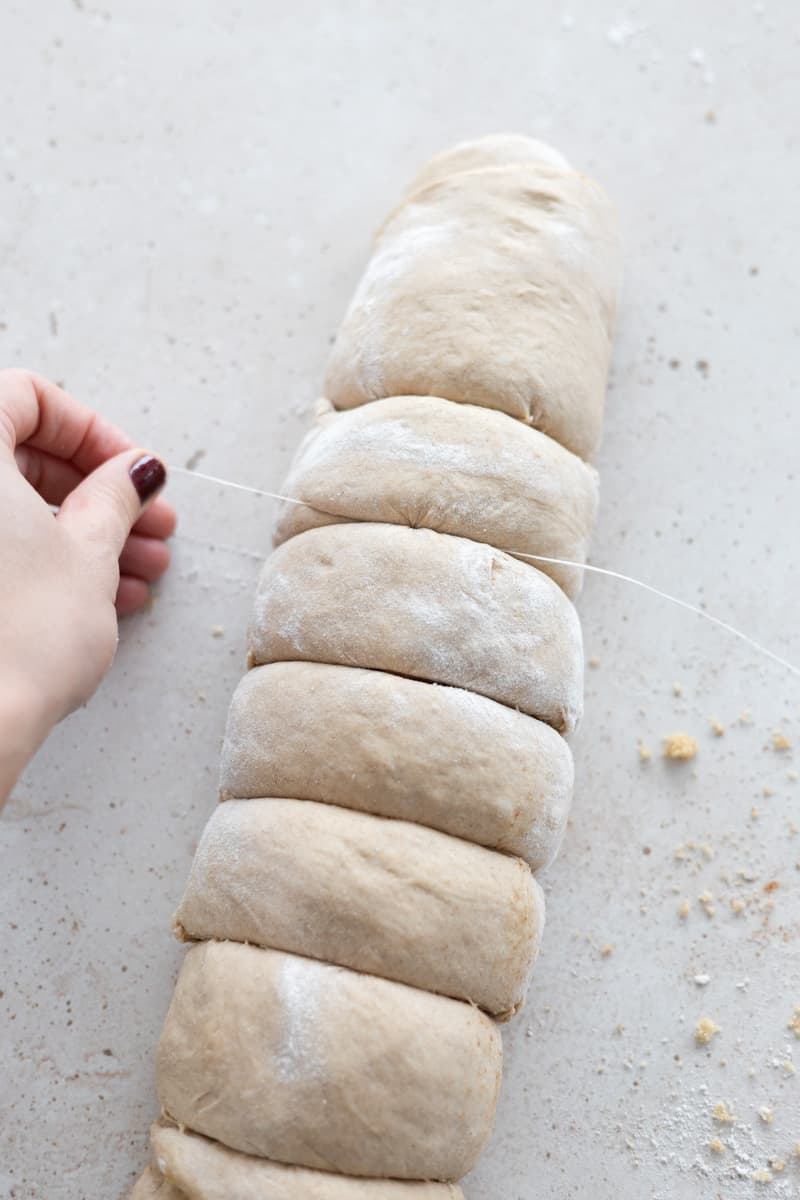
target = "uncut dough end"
x: 398, y: 747
x: 426, y: 605
x: 495, y: 150
x: 206, y: 1170
x: 298, y: 1061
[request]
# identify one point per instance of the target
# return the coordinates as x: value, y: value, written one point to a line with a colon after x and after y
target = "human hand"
x: 65, y: 577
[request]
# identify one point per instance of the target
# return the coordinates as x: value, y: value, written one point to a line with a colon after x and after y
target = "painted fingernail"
x: 148, y: 475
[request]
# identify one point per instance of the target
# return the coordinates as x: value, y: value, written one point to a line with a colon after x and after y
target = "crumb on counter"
x: 607, y: 950
x: 594, y: 661
x: 217, y: 631
x: 645, y: 753
x: 794, y: 1024
x: 716, y: 1146
x: 677, y: 690
x: 707, y: 901
x: 766, y: 1114
x: 717, y: 728
x: 762, y: 1176
x: 780, y: 741
x: 684, y: 908
x: 680, y: 746
x: 705, y: 1030
x: 723, y: 1113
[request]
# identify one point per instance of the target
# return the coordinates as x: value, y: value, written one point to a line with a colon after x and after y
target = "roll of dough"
x: 302, y: 1062
x: 427, y: 605
x: 151, y: 1185
x: 385, y: 897
x: 496, y: 287
x: 397, y: 747
x: 205, y: 1170
x: 496, y: 150
x: 460, y: 469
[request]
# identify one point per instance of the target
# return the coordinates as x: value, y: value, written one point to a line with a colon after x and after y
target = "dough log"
x: 469, y: 471
x: 397, y: 747
x: 426, y: 605
x: 318, y: 1066
x: 494, y: 285
x: 385, y: 897
x: 393, y: 764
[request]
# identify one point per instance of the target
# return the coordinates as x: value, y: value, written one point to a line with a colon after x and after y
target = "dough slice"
x: 427, y: 605
x: 385, y: 897
x: 460, y: 469
x: 151, y: 1185
x: 306, y: 1063
x: 496, y: 150
x: 206, y: 1170
x: 397, y: 747
x: 495, y: 287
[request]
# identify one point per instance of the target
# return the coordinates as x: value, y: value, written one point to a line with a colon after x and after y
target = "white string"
x: 561, y: 562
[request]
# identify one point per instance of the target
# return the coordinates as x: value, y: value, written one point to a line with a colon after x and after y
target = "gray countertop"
x: 187, y: 196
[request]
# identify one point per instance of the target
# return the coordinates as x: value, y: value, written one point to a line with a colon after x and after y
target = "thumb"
x: 104, y: 507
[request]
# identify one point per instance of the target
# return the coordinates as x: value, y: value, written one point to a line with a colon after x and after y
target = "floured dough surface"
x: 459, y: 469
x: 206, y: 1170
x: 426, y: 605
x: 496, y: 150
x: 398, y: 747
x: 381, y: 896
x: 494, y: 287
x: 151, y: 1185
x: 302, y: 1062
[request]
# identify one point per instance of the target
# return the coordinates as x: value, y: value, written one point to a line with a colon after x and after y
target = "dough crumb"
x: 680, y: 746
x: 707, y: 851
x: 792, y: 776
x: 705, y: 1030
x: 684, y: 909
x: 777, y: 1164
x: 717, y: 728
x: 645, y: 753
x: 677, y: 690
x: 762, y: 1176
x: 737, y: 906
x: 794, y: 1024
x: 716, y: 1146
x: 594, y: 661
x: 607, y: 950
x: 707, y: 901
x: 766, y: 1114
x: 217, y: 631
x: 755, y: 813
x: 780, y: 741
x: 723, y: 1113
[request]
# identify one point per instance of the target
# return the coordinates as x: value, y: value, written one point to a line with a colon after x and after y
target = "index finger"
x: 40, y: 413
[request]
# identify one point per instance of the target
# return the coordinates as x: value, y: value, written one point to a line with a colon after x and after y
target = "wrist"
x: 24, y: 724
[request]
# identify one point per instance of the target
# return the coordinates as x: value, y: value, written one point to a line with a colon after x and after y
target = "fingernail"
x: 148, y: 475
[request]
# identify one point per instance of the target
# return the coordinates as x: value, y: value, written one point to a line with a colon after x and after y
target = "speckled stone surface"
x: 186, y: 194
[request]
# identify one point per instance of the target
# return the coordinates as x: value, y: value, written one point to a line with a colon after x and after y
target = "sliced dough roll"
x: 427, y: 605
x: 397, y: 747
x: 306, y: 1063
x: 385, y: 897
x: 206, y: 1170
x: 422, y: 461
x: 494, y: 287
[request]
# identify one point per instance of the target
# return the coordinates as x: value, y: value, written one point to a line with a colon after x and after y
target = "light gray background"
x: 188, y: 191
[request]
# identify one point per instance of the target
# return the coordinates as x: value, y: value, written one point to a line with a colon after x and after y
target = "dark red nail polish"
x: 148, y: 475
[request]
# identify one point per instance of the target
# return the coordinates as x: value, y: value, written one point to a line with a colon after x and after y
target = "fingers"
x: 145, y: 558
x: 36, y: 411
x: 54, y: 479
x: 102, y: 510
x: 158, y: 520
x: 132, y: 594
